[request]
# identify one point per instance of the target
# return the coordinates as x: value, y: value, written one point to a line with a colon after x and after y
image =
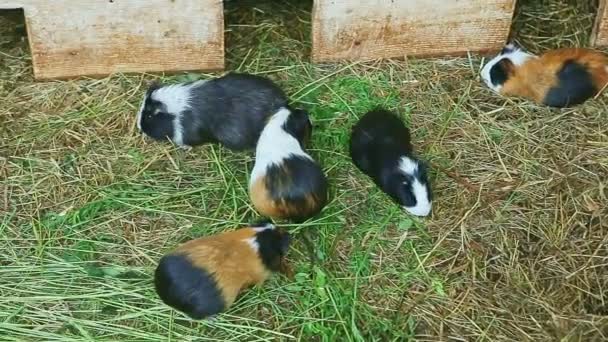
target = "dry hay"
x: 515, y: 250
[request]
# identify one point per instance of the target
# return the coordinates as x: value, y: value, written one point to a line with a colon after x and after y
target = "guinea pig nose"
x: 419, y: 209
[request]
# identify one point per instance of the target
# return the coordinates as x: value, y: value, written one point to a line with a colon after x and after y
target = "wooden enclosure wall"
x: 599, y: 37
x: 70, y: 38
x: 369, y: 29
x: 99, y: 37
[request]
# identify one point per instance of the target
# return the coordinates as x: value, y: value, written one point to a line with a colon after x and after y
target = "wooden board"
x: 10, y: 4
x: 70, y: 38
x: 599, y: 36
x: 370, y: 29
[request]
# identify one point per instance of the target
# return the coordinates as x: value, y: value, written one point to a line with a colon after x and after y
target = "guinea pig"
x: 557, y: 78
x: 203, y: 277
x: 380, y: 147
x: 230, y: 110
x: 286, y: 183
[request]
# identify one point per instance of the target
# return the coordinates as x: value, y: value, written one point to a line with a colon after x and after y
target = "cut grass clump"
x: 515, y: 249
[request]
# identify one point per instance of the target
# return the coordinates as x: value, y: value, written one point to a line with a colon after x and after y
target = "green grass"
x: 514, y: 249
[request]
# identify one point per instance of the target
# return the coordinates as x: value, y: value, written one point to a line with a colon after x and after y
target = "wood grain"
x: 599, y: 36
x: 100, y: 37
x: 370, y: 29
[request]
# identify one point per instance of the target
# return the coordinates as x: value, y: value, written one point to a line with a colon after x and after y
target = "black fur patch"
x: 299, y: 126
x: 575, y: 86
x: 187, y: 288
x: 398, y: 188
x: 378, y: 142
x: 498, y: 74
x: 231, y: 110
x: 294, y: 181
x: 273, y: 245
x: 155, y: 122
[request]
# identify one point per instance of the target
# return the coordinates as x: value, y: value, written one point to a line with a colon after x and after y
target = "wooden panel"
x: 10, y: 4
x: 369, y: 29
x: 599, y: 37
x: 100, y: 37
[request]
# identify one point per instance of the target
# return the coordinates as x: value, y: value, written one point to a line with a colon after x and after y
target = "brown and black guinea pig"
x: 203, y: 277
x: 286, y: 183
x: 557, y: 78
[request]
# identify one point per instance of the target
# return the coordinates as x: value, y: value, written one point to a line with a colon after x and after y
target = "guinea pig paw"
x: 187, y: 148
x: 213, y: 319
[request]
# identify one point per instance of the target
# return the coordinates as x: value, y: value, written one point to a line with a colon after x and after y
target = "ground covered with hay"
x: 515, y: 249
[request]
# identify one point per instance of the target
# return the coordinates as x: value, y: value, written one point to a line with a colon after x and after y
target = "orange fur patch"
x: 280, y: 208
x: 536, y: 77
x: 229, y: 257
x: 260, y: 197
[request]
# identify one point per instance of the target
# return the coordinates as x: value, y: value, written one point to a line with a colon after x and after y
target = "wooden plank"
x: 96, y: 38
x: 370, y: 29
x: 10, y: 4
x: 599, y: 36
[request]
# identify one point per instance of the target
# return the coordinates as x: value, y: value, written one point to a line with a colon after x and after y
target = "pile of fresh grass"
x: 515, y: 250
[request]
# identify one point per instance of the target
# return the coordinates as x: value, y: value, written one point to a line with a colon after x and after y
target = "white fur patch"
x: 423, y: 204
x: 408, y: 165
x: 263, y: 228
x: 176, y: 99
x: 517, y: 56
x: 253, y: 243
x: 274, y: 145
x: 140, y: 113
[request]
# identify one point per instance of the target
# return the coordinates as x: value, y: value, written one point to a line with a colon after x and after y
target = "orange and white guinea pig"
x: 557, y: 78
x: 286, y: 183
x: 203, y: 277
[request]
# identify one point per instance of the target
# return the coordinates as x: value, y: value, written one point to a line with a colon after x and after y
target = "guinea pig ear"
x: 152, y: 86
x: 507, y: 65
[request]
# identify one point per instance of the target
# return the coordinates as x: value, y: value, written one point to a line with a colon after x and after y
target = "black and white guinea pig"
x: 286, y: 183
x: 230, y: 110
x: 203, y: 277
x: 380, y: 147
x: 557, y: 78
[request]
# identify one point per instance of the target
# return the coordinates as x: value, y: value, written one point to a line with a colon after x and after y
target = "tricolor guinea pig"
x: 557, y: 78
x: 203, y: 277
x: 380, y: 147
x: 286, y: 183
x: 230, y: 110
